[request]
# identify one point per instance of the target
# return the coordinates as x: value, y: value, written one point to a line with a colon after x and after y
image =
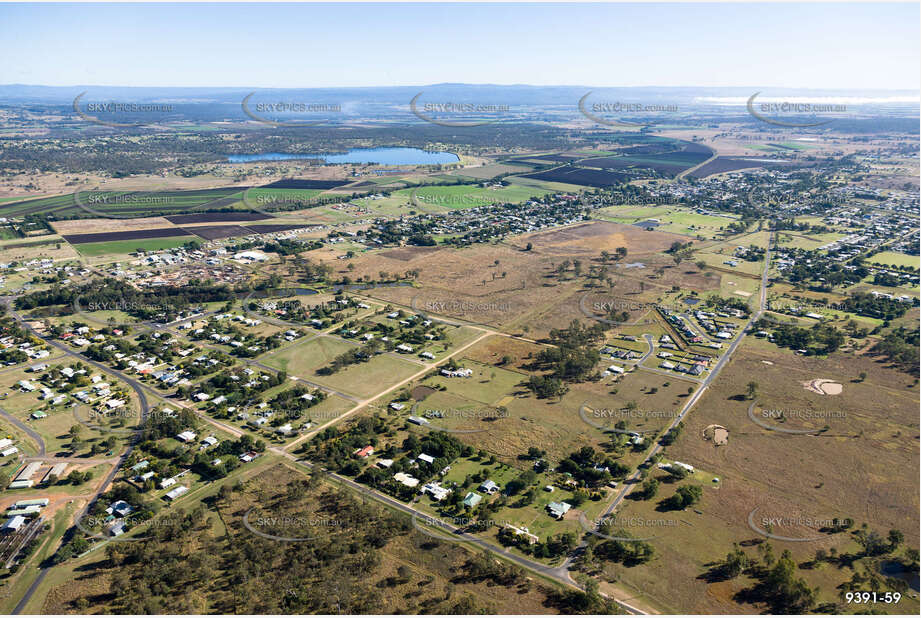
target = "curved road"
x: 145, y: 409
x: 25, y: 428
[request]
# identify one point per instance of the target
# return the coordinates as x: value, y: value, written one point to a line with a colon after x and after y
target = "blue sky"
x: 853, y: 46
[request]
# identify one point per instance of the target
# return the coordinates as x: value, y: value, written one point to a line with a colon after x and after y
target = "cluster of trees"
x: 819, y: 339
x: 287, y: 246
x: 574, y: 355
x: 876, y: 306
x: 546, y: 387
x: 592, y: 468
x: 672, y: 434
x: 900, y: 347
x: 718, y: 303
x: 159, y: 303
x: 684, y: 496
x: 234, y: 385
x: 549, y: 548
x: 753, y: 253
x: 352, y: 356
x: 629, y: 553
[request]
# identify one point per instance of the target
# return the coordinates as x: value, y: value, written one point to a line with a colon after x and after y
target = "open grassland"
x: 819, y: 475
x: 361, y: 380
x: 523, y: 293
x: 806, y: 241
x: 124, y: 247
x: 303, y: 359
x: 673, y: 219
x: 891, y: 258
x: 468, y: 196
x: 55, y: 248
x: 368, y: 379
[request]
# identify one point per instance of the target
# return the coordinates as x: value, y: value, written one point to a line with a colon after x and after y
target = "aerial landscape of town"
x: 385, y: 318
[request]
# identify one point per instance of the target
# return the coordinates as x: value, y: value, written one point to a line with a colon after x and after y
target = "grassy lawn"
x: 305, y: 358
x: 119, y: 247
x: 367, y: 379
x: 891, y: 258
x: 469, y: 196
x: 488, y: 385
x: 807, y: 241
x: 674, y: 219
x: 719, y: 259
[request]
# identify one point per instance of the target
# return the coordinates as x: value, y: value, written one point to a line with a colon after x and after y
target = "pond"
x: 892, y: 568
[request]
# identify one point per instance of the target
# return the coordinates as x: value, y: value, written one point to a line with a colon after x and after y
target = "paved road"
x: 558, y: 573
x: 630, y: 482
x: 145, y: 410
x: 25, y: 428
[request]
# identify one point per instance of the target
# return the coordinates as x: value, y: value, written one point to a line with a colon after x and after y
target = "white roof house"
x: 175, y: 493
x: 14, y: 523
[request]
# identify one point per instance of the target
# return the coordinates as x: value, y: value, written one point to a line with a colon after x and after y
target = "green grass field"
x: 807, y: 241
x: 368, y: 379
x: 119, y: 247
x: 674, y: 219
x: 890, y: 258
x: 469, y: 196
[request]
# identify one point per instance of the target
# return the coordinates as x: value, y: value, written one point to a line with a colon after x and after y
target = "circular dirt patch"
x: 421, y: 392
x: 823, y: 387
x: 717, y: 434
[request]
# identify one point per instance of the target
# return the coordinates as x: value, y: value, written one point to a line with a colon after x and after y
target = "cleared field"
x: 368, y: 379
x: 468, y: 196
x: 57, y: 249
x: 890, y: 258
x: 79, y: 227
x: 133, y: 234
x: 546, y: 184
x: 820, y: 475
x: 581, y: 176
x: 807, y: 241
x: 122, y: 247
x: 523, y: 294
x: 721, y: 165
x: 594, y: 237
x: 362, y: 380
x: 485, y: 172
x: 305, y: 358
x: 671, y: 219
x: 719, y: 260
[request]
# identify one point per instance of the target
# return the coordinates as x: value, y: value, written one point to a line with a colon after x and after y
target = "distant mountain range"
x: 512, y: 95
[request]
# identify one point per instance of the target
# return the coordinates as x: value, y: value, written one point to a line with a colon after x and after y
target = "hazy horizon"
x: 369, y: 45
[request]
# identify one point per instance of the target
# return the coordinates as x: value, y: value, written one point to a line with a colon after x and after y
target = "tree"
x: 751, y: 390
x: 650, y: 488
x: 895, y: 539
x: 736, y: 562
x: 684, y: 496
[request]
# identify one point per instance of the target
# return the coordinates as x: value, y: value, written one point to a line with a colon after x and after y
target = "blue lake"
x: 383, y: 156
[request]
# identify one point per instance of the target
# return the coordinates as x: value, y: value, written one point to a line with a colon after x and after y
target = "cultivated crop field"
x: 580, y: 176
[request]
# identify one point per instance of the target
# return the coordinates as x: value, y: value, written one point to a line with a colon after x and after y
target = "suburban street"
x: 560, y: 573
